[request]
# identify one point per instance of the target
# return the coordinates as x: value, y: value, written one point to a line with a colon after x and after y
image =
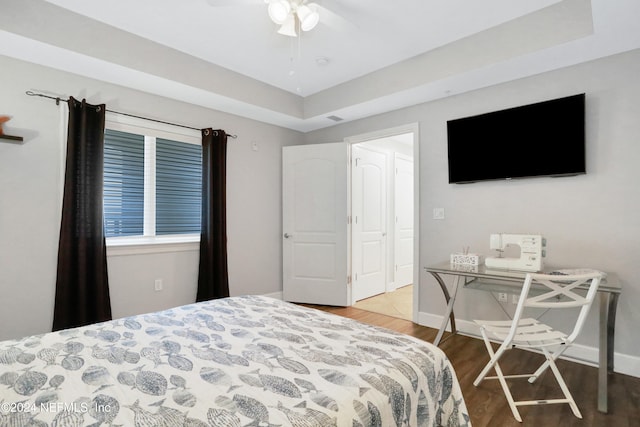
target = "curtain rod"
x: 58, y: 99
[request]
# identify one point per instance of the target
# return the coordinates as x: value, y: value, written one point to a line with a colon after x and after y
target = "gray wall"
x: 30, y: 195
x: 589, y: 221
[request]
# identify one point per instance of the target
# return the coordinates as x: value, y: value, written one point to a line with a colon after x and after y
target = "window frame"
x: 131, y: 245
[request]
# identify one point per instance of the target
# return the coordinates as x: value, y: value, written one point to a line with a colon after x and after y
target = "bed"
x: 240, y: 361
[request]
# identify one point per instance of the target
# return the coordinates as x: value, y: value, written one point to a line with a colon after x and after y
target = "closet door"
x: 404, y: 221
x: 369, y: 223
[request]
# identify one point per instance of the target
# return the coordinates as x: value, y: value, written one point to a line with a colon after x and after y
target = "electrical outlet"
x: 502, y: 297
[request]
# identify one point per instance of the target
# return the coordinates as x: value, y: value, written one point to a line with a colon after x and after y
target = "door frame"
x: 389, y: 132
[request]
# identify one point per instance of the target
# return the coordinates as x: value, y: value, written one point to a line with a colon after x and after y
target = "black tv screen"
x: 541, y: 139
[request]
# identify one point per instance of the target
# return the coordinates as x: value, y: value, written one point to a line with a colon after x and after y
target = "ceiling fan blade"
x: 335, y: 20
x: 228, y: 3
x: 342, y: 8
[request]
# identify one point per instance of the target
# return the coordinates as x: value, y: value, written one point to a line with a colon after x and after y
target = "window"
x: 152, y: 186
x: 123, y: 195
x: 178, y: 187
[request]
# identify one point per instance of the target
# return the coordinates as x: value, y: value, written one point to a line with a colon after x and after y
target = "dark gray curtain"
x: 82, y: 288
x: 213, y: 275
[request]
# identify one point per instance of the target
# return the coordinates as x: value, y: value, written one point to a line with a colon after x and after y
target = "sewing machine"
x: 531, y: 252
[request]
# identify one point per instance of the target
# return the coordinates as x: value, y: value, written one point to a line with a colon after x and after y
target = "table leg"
x: 608, y: 305
x: 448, y: 316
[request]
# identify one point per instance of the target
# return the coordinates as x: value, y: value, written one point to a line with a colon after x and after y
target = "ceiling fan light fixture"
x: 290, y: 14
x: 308, y: 15
x: 279, y: 11
x: 288, y: 27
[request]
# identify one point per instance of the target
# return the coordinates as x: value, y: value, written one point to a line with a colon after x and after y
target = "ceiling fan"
x: 293, y: 16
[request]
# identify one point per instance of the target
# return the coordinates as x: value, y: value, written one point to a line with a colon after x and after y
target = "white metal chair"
x: 551, y: 292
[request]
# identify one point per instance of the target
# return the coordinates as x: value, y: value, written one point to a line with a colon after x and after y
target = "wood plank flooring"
x: 486, y: 403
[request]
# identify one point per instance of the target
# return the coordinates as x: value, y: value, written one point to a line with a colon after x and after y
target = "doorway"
x: 383, y: 225
x: 317, y: 221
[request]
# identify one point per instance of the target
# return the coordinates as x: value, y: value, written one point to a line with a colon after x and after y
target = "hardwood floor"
x: 486, y: 403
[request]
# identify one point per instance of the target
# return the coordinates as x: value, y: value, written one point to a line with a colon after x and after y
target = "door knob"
x: 287, y: 235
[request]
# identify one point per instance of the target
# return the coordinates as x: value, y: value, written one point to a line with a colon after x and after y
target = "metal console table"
x: 480, y: 277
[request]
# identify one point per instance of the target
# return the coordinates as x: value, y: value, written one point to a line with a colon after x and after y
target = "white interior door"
x: 315, y: 224
x: 369, y: 223
x: 404, y: 221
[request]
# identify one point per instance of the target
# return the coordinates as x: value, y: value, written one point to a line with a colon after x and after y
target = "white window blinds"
x: 178, y: 187
x: 123, y: 184
x: 167, y: 202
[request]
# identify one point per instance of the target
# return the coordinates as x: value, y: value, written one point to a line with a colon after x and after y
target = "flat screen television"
x: 541, y: 139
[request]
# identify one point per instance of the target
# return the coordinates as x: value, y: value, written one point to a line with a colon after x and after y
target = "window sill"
x: 123, y: 246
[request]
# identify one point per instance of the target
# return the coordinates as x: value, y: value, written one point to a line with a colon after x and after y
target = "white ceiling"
x: 356, y: 36
x: 381, y: 55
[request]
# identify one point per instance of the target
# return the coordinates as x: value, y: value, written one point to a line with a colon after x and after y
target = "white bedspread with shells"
x: 241, y: 361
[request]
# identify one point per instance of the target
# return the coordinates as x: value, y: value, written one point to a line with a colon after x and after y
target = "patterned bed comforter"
x: 241, y: 361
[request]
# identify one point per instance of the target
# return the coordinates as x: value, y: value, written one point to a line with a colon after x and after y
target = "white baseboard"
x: 623, y: 363
x: 276, y: 295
